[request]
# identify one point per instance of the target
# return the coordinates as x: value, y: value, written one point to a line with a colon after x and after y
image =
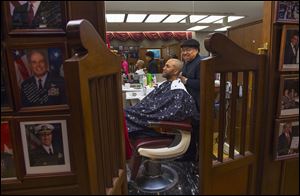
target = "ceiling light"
x: 135, y: 17
x: 223, y: 28
x: 195, y: 18
x: 183, y: 21
x: 233, y: 18
x: 197, y: 28
x: 115, y: 17
x: 211, y: 19
x: 219, y: 21
x: 155, y: 18
x: 174, y: 18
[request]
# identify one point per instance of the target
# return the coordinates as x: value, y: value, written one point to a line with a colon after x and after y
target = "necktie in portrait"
x: 50, y: 151
x: 40, y: 84
x: 30, y: 13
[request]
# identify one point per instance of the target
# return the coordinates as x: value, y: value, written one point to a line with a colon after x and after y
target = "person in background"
x: 139, y: 66
x: 190, y: 77
x: 152, y: 64
x: 124, y: 65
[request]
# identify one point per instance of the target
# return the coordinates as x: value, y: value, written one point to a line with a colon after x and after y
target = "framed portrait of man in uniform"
x: 45, y: 146
x: 38, y: 75
x: 29, y: 17
x: 289, y: 49
x: 288, y: 98
x: 8, y: 169
x: 286, y: 139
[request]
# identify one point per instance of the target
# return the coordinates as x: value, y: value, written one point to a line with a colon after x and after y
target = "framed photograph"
x: 288, y: 101
x: 6, y: 103
x: 286, y: 138
x: 45, y: 146
x: 8, y: 169
x: 287, y: 11
x: 38, y: 76
x: 289, y: 49
x: 35, y: 17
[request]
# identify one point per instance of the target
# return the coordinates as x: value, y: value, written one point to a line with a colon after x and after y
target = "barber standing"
x: 190, y: 76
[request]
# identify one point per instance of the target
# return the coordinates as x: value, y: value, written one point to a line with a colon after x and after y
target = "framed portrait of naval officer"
x: 35, y: 17
x: 37, y: 73
x: 45, y: 146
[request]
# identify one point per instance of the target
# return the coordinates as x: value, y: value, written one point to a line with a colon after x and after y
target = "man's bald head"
x: 172, y: 69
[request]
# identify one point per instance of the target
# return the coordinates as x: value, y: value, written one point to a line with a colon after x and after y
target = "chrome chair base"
x: 167, y: 179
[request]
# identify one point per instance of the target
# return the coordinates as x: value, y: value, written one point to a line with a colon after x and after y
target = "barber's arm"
x: 191, y: 83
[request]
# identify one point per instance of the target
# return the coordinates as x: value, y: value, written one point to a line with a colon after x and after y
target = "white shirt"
x: 35, y: 7
x: 43, y: 80
x: 140, y: 72
x: 47, y: 148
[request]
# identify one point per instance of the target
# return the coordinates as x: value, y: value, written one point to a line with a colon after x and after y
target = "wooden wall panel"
x: 247, y: 36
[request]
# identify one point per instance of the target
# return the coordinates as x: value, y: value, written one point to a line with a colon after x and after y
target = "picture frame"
x: 46, y: 17
x: 289, y: 49
x: 43, y: 63
x: 287, y: 11
x: 286, y: 138
x: 38, y: 134
x: 288, y: 97
x: 6, y: 100
x: 8, y: 161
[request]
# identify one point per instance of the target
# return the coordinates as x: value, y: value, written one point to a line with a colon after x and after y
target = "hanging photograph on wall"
x: 289, y: 49
x: 35, y: 16
x: 286, y: 138
x: 8, y: 170
x: 38, y: 74
x: 287, y: 11
x: 288, y: 99
x: 45, y: 146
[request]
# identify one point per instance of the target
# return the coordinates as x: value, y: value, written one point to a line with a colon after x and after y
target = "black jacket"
x: 191, y: 70
x: 48, y: 15
x: 53, y: 92
x: 152, y: 66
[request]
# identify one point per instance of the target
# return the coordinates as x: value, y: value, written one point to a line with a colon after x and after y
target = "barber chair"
x: 174, y: 142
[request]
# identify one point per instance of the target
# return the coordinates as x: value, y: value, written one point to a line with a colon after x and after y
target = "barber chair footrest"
x: 159, y: 183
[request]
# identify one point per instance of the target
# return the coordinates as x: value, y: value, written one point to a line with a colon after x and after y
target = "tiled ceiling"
x: 193, y: 13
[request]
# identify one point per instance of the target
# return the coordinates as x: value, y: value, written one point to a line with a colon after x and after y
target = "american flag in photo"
x: 55, y: 61
x: 21, y: 66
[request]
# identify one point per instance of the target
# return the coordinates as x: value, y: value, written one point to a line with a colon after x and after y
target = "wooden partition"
x: 228, y: 162
x: 94, y: 87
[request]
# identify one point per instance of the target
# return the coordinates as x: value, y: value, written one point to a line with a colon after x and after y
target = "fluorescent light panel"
x: 135, y: 17
x: 230, y: 19
x: 234, y: 18
x: 155, y: 18
x: 183, y: 21
x: 195, y: 18
x: 197, y: 28
x: 115, y: 17
x: 223, y: 28
x: 174, y: 18
x: 211, y: 19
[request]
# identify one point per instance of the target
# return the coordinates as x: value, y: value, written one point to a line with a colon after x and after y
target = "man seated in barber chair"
x: 169, y: 101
